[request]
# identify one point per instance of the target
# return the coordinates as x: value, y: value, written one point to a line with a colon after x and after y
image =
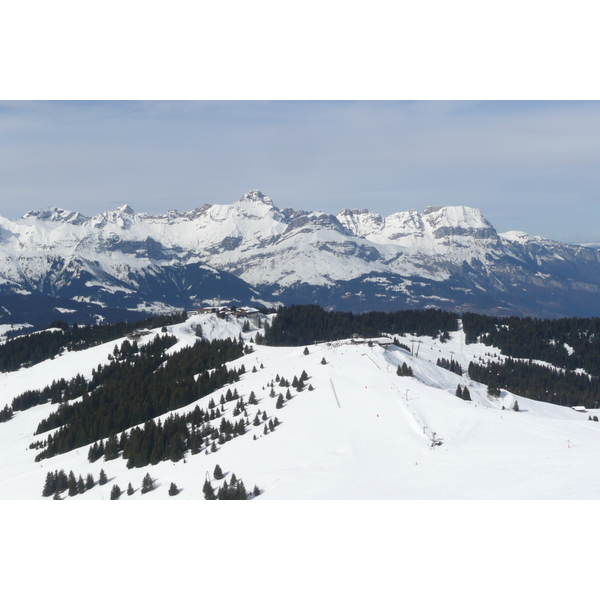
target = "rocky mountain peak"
x: 256, y: 196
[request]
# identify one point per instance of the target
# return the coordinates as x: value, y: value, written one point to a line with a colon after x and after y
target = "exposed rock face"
x: 448, y: 257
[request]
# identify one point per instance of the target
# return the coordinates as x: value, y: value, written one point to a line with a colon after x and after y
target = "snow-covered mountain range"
x: 252, y: 251
x: 356, y: 431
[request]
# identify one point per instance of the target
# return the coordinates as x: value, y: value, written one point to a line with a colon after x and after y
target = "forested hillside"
x: 298, y: 325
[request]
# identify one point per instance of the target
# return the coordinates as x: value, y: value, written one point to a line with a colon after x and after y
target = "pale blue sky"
x: 531, y: 166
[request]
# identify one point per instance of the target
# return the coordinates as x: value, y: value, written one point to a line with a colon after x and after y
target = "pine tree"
x: 130, y: 489
x: 310, y: 387
x: 209, y: 492
x: 147, y: 484
x: 323, y: 361
x: 516, y: 406
x: 173, y: 490
x: 279, y: 403
x: 256, y: 491
x: 466, y: 394
x: 62, y: 482
x: 49, y: 485
x: 80, y: 485
x: 218, y: 473
x: 89, y: 481
x: 493, y: 390
x: 115, y: 493
x: 459, y: 392
x: 102, y: 479
x: 288, y: 395
x: 306, y: 351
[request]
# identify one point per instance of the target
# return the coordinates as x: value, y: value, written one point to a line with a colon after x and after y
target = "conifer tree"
x: 115, y: 493
x: 62, y: 481
x: 466, y: 394
x: 516, y: 406
x: 459, y: 392
x: 208, y: 490
x: 288, y: 395
x: 218, y: 473
x: 310, y: 387
x: 72, y: 484
x: 256, y: 491
x: 306, y: 351
x: 130, y: 489
x: 173, y: 490
x: 102, y: 479
x: 147, y: 484
x: 80, y: 485
x: 89, y: 481
x: 323, y: 361
x: 49, y: 485
x: 279, y: 403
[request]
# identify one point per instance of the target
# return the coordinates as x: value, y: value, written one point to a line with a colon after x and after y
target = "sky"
x: 532, y: 166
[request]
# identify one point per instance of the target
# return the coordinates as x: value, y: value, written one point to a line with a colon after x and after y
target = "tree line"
x: 569, y: 343
x: 132, y: 389
x: 298, y: 325
x: 30, y: 349
x: 538, y: 382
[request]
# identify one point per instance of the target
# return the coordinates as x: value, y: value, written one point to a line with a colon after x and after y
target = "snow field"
x: 362, y: 433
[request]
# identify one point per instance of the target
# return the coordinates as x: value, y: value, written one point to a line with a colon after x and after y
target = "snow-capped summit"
x: 256, y: 196
x: 457, y: 220
x: 59, y: 215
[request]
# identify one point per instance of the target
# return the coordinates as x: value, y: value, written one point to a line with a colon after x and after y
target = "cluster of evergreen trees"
x: 193, y: 431
x: 58, y: 482
x: 234, y: 490
x: 570, y: 343
x: 404, y: 370
x: 62, y: 390
x: 30, y: 349
x: 538, y: 382
x: 450, y: 365
x: 58, y: 391
x: 133, y: 389
x: 463, y: 393
x: 300, y: 325
x: 6, y: 414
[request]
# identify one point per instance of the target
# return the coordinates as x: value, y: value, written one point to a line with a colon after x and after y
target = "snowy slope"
x: 362, y: 433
